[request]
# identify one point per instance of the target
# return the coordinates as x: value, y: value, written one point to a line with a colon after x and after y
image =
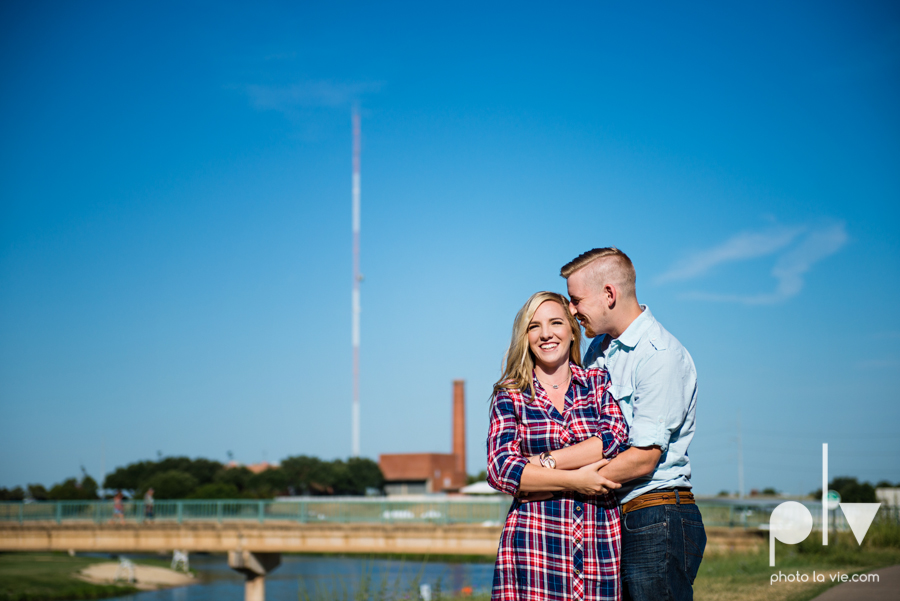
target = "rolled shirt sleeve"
x: 504, y: 457
x: 659, y: 408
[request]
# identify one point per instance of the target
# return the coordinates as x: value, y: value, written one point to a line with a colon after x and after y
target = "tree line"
x: 853, y: 491
x: 185, y: 478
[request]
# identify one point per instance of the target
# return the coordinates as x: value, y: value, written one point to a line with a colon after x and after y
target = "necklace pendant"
x: 555, y: 387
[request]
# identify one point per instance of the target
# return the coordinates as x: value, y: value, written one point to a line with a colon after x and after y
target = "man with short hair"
x: 652, y: 377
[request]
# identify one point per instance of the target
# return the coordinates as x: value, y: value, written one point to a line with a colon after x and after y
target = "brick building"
x: 422, y: 473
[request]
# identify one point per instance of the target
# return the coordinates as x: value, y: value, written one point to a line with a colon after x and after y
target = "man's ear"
x: 611, y: 295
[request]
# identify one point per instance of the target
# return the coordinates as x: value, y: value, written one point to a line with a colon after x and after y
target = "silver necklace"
x: 555, y: 386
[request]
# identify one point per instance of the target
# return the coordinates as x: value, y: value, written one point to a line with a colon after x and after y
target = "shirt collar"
x: 637, y: 329
x: 578, y: 374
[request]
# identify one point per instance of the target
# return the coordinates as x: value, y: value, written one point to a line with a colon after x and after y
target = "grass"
x: 746, y: 577
x: 49, y: 577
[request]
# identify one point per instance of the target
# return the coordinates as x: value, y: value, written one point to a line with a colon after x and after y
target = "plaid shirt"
x: 567, y: 547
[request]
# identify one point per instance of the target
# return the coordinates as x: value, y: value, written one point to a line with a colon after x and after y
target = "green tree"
x: 851, y: 490
x: 269, y: 483
x: 301, y: 472
x: 136, y: 476
x: 37, y: 492
x: 173, y: 484
x: 216, y: 490
x: 238, y: 477
x: 479, y: 477
x: 73, y: 490
x: 364, y: 473
x: 131, y: 476
x: 332, y: 478
x: 203, y: 470
x: 15, y: 494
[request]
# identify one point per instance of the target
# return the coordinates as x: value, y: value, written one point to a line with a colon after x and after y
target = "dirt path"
x: 146, y: 577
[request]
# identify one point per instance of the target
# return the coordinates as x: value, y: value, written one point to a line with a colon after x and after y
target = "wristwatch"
x: 547, y: 460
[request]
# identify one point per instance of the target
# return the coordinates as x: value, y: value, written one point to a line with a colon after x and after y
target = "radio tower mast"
x: 357, y: 277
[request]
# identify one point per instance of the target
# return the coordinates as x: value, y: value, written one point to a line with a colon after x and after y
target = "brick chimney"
x: 459, y: 426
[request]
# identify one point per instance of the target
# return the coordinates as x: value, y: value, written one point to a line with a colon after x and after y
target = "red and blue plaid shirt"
x: 564, y: 548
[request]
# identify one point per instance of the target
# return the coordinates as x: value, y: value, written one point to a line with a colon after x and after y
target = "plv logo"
x: 791, y: 522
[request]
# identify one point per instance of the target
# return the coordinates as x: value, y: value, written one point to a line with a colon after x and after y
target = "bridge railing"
x: 312, y: 510
x: 381, y: 510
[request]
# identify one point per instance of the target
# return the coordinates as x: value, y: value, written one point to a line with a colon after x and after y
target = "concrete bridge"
x: 268, y: 537
x: 253, y: 548
x: 255, y: 533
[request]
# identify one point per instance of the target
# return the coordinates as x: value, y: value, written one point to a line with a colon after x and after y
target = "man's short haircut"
x: 608, y: 266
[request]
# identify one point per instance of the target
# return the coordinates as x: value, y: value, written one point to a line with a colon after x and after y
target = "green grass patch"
x: 50, y: 577
x: 746, y: 577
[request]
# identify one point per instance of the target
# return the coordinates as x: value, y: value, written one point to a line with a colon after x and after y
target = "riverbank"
x: 146, y: 578
x: 57, y: 576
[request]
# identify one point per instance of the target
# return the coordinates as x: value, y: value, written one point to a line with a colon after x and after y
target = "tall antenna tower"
x: 740, y: 451
x: 357, y: 277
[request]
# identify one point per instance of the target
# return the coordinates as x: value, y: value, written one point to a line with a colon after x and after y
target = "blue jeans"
x: 662, y: 547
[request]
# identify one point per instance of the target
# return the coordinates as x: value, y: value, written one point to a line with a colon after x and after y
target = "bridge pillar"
x: 254, y: 566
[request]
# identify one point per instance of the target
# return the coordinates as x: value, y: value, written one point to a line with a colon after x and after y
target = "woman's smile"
x: 549, y: 335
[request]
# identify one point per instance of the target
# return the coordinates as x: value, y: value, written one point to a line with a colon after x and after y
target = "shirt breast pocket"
x: 620, y: 391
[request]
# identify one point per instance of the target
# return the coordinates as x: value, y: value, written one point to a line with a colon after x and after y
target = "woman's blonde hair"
x: 518, y: 363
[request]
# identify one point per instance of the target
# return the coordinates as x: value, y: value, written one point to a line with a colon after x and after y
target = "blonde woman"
x: 553, y: 425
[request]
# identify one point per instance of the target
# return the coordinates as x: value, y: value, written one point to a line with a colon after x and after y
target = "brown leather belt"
x: 652, y: 499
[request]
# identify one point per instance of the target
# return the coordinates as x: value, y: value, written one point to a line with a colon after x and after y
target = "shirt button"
x: 578, y: 572
x: 577, y: 539
x: 578, y: 508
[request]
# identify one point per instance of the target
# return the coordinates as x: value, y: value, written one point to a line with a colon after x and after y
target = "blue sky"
x: 175, y: 260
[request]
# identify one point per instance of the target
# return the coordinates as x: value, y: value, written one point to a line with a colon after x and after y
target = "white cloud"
x: 803, y: 247
x: 746, y: 245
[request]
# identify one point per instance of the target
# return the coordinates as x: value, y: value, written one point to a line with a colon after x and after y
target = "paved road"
x: 886, y: 589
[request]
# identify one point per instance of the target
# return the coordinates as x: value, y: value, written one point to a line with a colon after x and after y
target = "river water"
x: 302, y: 578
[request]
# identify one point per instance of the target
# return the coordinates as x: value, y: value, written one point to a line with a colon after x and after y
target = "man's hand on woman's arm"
x: 586, y: 480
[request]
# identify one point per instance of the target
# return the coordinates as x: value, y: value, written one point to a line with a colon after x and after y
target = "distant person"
x: 653, y: 379
x: 118, y: 508
x: 148, y: 504
x: 551, y: 425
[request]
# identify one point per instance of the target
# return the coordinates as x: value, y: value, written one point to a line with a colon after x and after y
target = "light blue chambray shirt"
x: 655, y: 383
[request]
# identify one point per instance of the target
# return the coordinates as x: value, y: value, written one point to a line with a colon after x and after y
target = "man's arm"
x: 632, y: 463
x: 585, y: 480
